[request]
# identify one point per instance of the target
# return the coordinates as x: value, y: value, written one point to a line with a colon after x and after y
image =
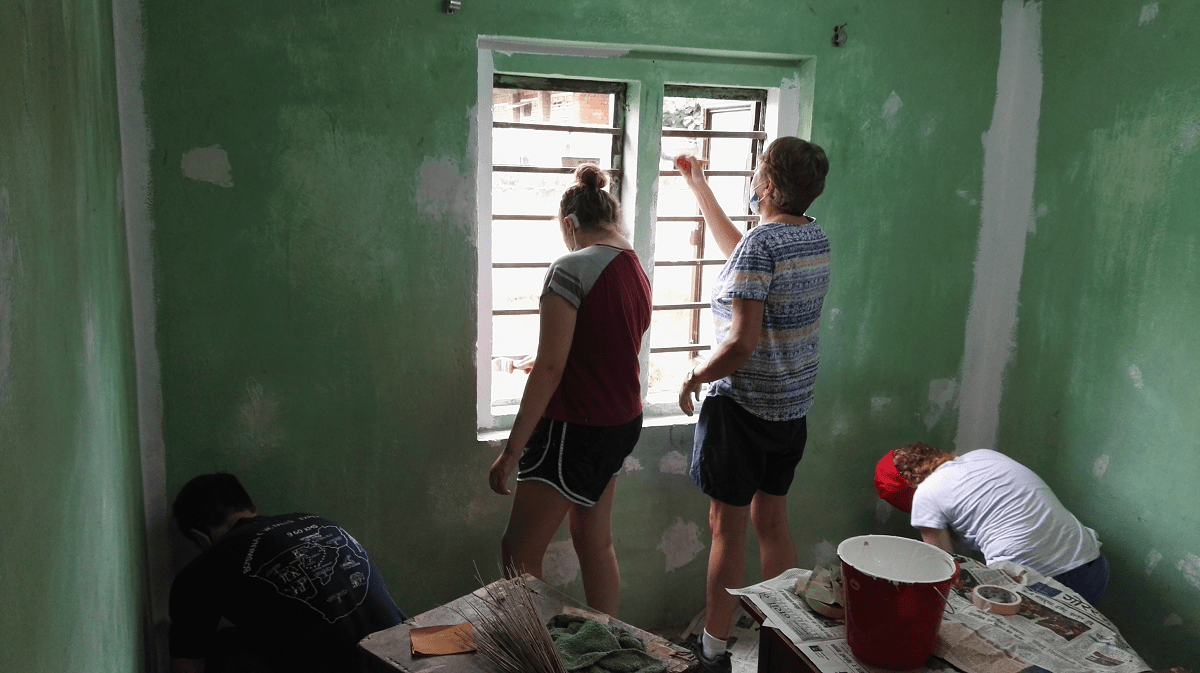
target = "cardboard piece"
x: 449, y: 639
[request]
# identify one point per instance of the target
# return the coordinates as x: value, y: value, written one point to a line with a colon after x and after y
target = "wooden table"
x: 390, y: 650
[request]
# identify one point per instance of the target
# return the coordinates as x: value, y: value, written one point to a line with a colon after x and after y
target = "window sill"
x: 655, y: 417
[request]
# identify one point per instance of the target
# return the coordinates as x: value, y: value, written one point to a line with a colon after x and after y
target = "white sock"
x: 713, y: 647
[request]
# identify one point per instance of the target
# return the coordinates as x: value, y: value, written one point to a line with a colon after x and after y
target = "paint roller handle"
x: 683, y: 162
x: 509, y: 365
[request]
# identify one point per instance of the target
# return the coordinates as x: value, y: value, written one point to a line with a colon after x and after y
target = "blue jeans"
x: 1088, y: 580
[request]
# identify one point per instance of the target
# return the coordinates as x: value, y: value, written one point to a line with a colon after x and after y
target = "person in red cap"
x: 996, y: 505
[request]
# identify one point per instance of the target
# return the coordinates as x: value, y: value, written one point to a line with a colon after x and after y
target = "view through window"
x: 541, y: 130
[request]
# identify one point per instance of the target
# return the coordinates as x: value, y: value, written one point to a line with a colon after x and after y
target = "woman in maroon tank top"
x: 580, y: 414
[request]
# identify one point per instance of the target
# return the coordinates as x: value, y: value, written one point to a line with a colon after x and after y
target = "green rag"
x: 588, y: 646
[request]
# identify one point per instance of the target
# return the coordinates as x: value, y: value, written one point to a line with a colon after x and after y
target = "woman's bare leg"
x: 591, y: 533
x: 538, y: 510
x: 726, y: 565
x: 776, y: 551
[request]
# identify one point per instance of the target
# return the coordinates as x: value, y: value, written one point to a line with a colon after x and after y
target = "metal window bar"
x: 546, y: 170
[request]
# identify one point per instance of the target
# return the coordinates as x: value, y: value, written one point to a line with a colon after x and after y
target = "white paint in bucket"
x: 897, y: 559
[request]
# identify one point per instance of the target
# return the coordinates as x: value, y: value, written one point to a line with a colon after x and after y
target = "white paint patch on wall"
x: 1042, y: 211
x: 673, y: 462
x: 966, y: 196
x: 1009, y: 168
x: 1135, y: 375
x: 1173, y: 620
x: 1100, y: 467
x: 942, y: 393
x: 1152, y: 561
x: 840, y: 426
x: 789, y: 109
x: 1148, y: 13
x: 825, y: 552
x: 208, y: 164
x: 129, y: 56
x: 259, y: 415
x: 928, y: 127
x: 632, y: 465
x: 560, y: 565
x: 1190, y: 567
x: 511, y: 46
x: 878, y: 404
x: 441, y: 193
x: 680, y: 544
x: 1188, y: 136
x: 891, y: 110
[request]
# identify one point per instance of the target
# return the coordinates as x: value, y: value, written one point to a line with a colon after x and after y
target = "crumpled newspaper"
x: 823, y: 591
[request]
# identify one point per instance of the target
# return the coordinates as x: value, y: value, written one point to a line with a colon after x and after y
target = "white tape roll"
x: 996, y: 600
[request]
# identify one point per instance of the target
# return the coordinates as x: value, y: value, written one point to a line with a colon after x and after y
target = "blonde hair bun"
x: 590, y: 175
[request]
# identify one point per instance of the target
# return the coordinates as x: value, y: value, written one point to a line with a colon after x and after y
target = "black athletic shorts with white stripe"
x: 577, y: 460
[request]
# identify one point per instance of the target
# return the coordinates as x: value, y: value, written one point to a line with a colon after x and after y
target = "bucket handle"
x: 947, y: 597
x: 953, y: 578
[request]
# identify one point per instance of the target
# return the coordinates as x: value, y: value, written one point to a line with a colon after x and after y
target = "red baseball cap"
x: 891, y: 485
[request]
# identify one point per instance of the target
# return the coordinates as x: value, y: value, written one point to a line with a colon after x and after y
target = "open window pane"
x: 511, y: 241
x: 516, y: 289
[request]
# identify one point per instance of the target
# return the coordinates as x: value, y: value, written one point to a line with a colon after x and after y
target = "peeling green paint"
x: 1101, y: 395
x: 72, y: 567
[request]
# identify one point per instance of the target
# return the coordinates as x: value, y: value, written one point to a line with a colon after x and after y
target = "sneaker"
x: 718, y: 664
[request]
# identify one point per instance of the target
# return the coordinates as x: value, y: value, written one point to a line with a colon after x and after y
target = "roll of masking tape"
x: 996, y: 600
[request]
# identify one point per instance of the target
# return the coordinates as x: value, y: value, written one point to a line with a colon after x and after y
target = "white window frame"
x: 788, y: 79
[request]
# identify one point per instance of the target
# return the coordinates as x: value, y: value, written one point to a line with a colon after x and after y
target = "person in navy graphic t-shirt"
x: 299, y: 590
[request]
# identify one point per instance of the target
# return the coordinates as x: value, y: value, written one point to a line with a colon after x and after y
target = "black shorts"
x: 577, y: 460
x: 736, y: 454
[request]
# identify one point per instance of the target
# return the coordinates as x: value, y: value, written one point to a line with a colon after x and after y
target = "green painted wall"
x: 316, y: 304
x: 316, y: 319
x: 1101, y: 395
x: 72, y: 569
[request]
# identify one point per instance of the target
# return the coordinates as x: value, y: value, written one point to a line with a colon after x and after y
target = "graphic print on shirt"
x: 325, y: 567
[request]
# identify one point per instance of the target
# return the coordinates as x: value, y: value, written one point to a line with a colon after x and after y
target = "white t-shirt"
x: 1005, y: 510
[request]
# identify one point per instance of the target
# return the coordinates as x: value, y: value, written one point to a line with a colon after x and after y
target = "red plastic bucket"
x: 895, y: 591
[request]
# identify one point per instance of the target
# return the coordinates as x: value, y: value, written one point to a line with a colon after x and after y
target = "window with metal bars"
x: 542, y: 128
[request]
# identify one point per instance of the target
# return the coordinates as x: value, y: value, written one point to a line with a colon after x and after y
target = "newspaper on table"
x: 1055, y: 629
x: 820, y: 638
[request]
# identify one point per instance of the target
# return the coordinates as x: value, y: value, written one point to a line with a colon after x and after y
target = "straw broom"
x: 509, y: 631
